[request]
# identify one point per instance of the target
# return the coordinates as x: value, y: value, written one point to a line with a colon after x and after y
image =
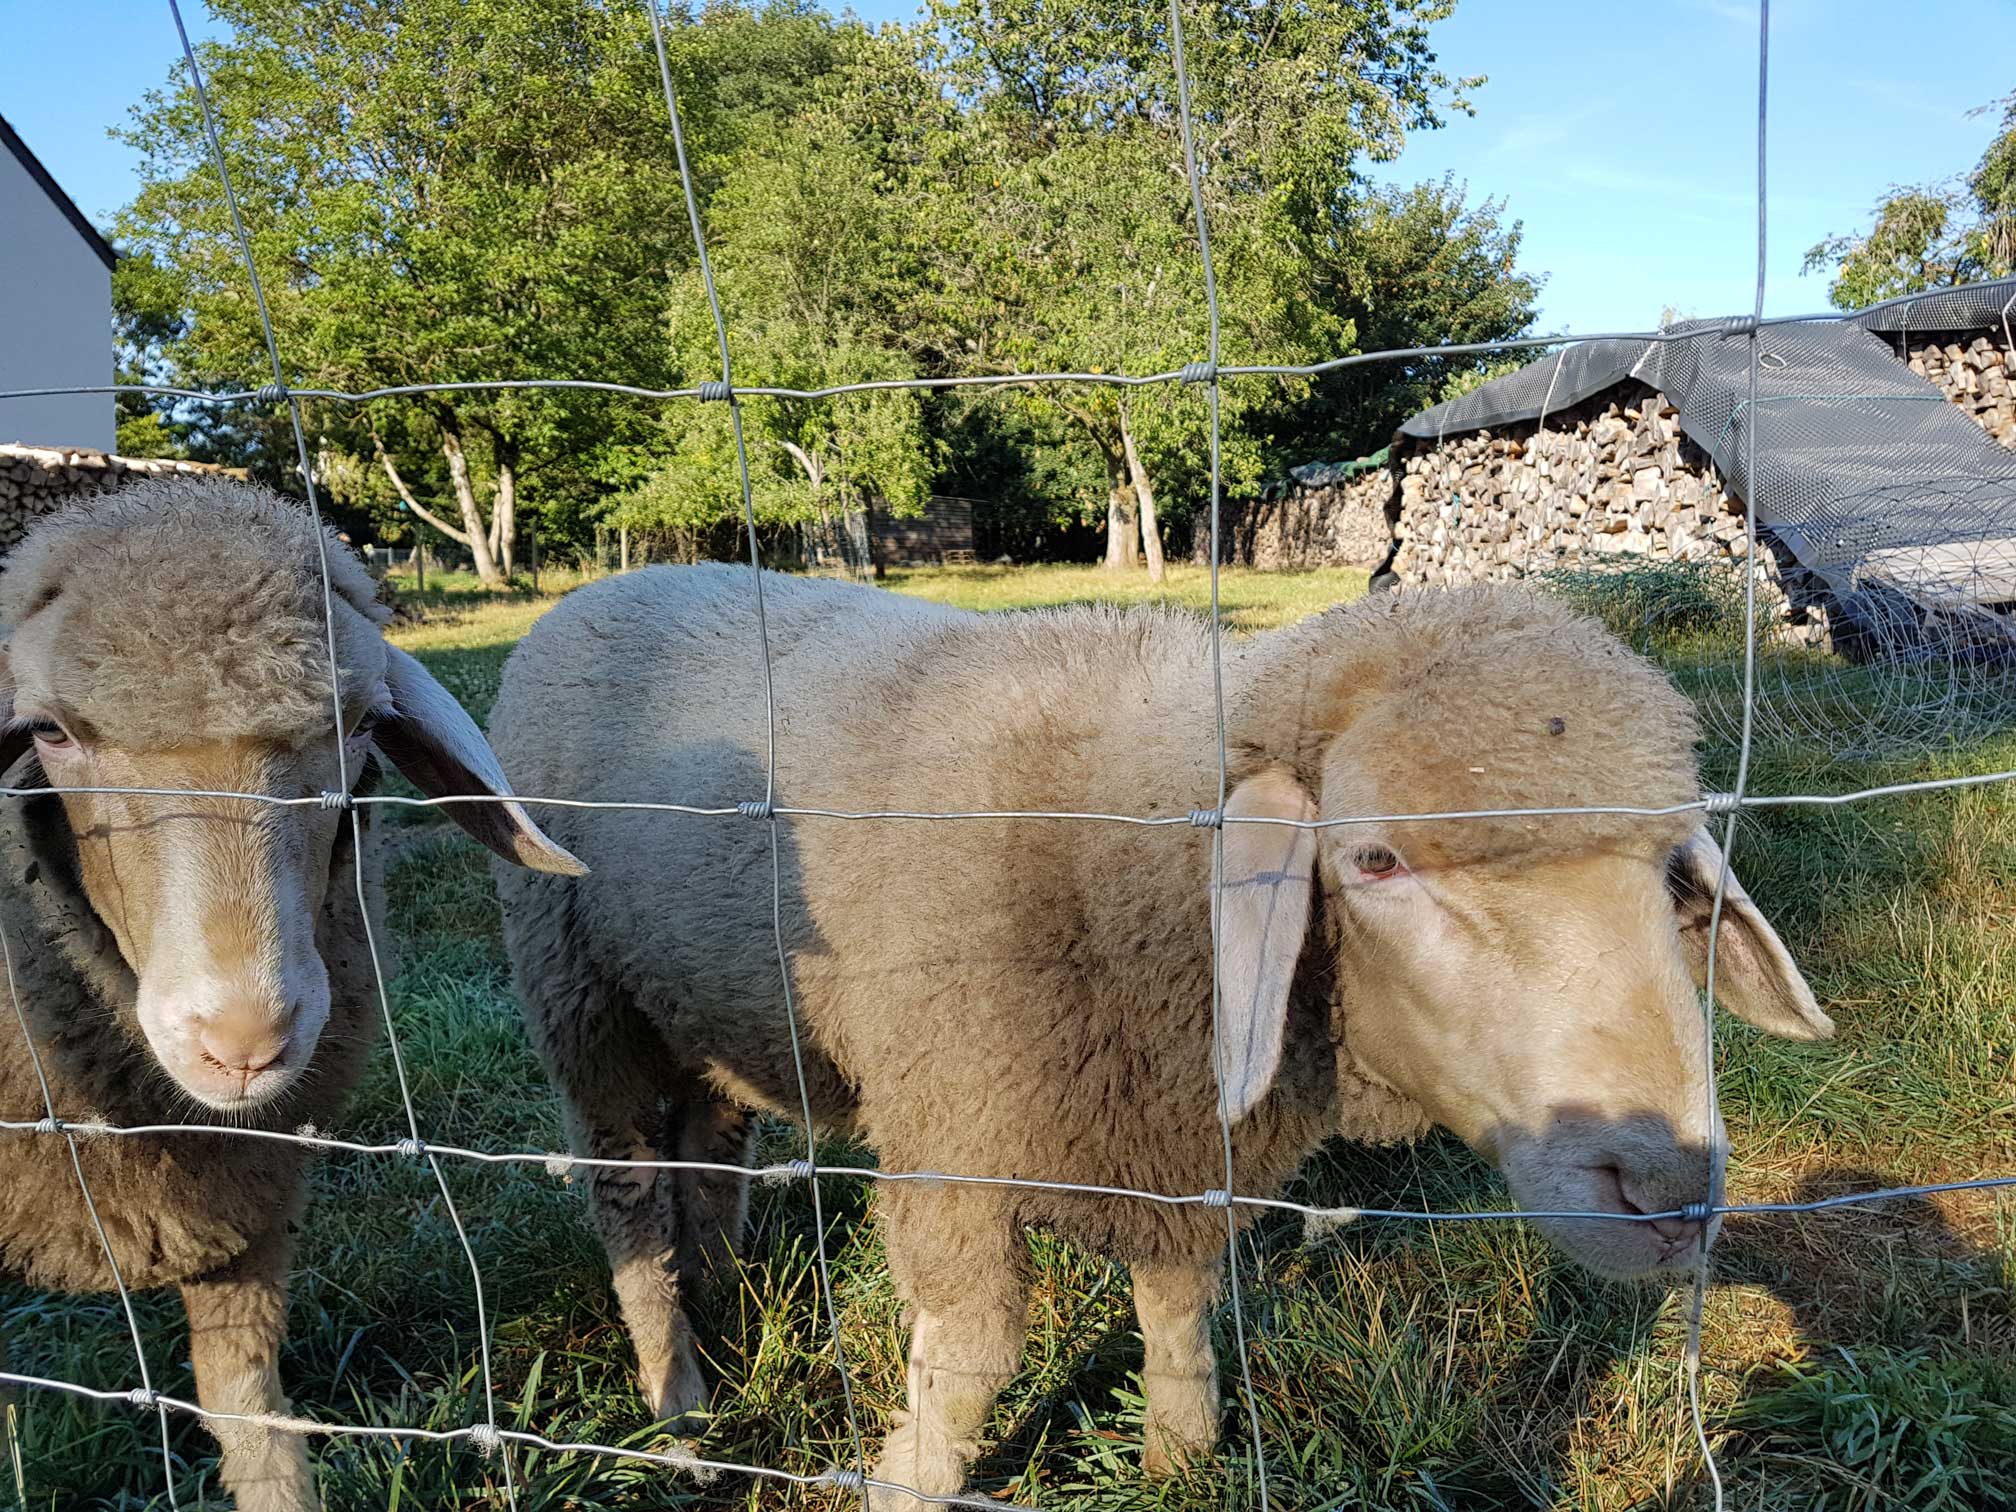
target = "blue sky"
x: 1621, y: 132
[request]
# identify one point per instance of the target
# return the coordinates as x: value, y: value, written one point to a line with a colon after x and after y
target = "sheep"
x: 201, y: 960
x: 1031, y: 998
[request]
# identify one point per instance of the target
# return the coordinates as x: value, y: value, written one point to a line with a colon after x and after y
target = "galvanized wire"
x: 561, y: 1162
x: 1210, y: 372
x: 488, y: 1440
x: 1201, y: 818
x: 1216, y: 815
x: 1717, y: 1157
x: 91, y: 1209
x: 337, y: 732
x: 767, y: 811
x: 702, y: 392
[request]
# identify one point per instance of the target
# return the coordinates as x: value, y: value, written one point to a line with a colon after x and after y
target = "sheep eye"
x: 1376, y: 862
x: 50, y: 736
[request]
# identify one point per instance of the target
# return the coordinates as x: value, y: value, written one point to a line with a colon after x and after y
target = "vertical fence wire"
x: 489, y: 1441
x: 768, y: 813
x: 1698, y: 1303
x: 1211, y: 400
x: 146, y: 1393
x: 487, y: 1436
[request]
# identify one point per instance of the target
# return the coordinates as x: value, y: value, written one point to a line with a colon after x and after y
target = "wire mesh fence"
x: 1922, y: 630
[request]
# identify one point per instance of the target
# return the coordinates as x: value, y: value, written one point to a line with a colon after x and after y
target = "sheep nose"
x: 1675, y: 1231
x: 244, y: 1038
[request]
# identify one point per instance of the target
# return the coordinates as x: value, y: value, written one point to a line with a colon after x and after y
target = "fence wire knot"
x: 1207, y: 818
x: 50, y: 1125
x: 1198, y: 372
x: 1217, y: 1197
x: 338, y: 800
x: 1721, y: 803
x: 1739, y: 325
x: 714, y: 391
x: 486, y: 1438
x: 412, y: 1149
x: 1696, y: 1212
x: 759, y: 809
x: 142, y: 1397
x: 845, y: 1479
x: 271, y: 393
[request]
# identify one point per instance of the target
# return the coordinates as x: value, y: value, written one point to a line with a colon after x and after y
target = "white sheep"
x: 198, y: 960
x: 1032, y: 998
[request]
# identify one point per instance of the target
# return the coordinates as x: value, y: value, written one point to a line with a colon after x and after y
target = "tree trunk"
x: 1123, y: 536
x: 1144, y: 494
x: 413, y: 504
x: 1123, y: 539
x: 476, y: 534
x: 504, y: 513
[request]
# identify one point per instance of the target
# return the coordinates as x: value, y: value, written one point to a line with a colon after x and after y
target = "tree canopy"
x: 452, y: 191
x: 1928, y: 236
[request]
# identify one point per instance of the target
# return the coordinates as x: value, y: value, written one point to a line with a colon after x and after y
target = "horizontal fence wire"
x: 1709, y: 804
x: 712, y: 392
x: 488, y: 1440
x: 560, y: 1162
x: 493, y: 1440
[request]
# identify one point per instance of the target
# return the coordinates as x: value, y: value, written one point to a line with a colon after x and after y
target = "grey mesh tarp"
x: 1865, y: 472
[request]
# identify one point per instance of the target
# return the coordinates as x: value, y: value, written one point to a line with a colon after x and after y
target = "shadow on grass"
x: 1866, y: 1353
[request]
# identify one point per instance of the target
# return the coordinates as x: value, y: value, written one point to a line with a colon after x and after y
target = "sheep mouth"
x: 222, y: 1089
x: 1620, y: 1219
x: 1623, y: 1239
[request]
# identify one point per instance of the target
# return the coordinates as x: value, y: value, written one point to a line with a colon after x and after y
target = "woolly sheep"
x: 1031, y: 998
x: 200, y: 960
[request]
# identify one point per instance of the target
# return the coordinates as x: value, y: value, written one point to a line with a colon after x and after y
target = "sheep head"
x: 1530, y: 983
x: 173, y: 636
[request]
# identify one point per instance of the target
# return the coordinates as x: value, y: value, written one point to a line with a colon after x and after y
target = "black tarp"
x: 1866, y: 472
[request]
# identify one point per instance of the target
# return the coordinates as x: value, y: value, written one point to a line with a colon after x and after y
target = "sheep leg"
x: 613, y: 1072
x: 957, y: 1263
x: 1179, y: 1375
x: 237, y: 1320
x: 638, y: 1215
x: 715, y: 1204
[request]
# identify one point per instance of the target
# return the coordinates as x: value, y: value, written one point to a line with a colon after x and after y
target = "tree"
x: 1064, y: 235
x: 815, y: 292
x: 442, y: 191
x: 1408, y: 267
x: 1929, y: 236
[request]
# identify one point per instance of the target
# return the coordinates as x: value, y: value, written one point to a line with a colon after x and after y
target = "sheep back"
x: 1010, y: 997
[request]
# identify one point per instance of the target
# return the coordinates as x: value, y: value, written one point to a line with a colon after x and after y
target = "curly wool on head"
x: 1481, y: 697
x: 181, y: 604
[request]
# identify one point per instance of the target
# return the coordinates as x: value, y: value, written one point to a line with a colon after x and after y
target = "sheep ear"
x: 434, y: 742
x: 1269, y: 883
x: 1755, y: 975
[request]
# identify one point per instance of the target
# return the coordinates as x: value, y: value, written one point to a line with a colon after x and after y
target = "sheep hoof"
x: 676, y: 1390
x: 888, y: 1499
x: 934, y: 1468
x: 1165, y: 1452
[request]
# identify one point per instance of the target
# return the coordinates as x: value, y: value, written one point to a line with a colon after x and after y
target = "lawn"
x: 1863, y: 1358
x: 1249, y: 600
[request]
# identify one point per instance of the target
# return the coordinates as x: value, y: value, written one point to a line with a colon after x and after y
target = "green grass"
x: 1858, y: 1359
x: 1249, y: 600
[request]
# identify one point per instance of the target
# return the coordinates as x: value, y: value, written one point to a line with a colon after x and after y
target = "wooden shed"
x: 942, y: 533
